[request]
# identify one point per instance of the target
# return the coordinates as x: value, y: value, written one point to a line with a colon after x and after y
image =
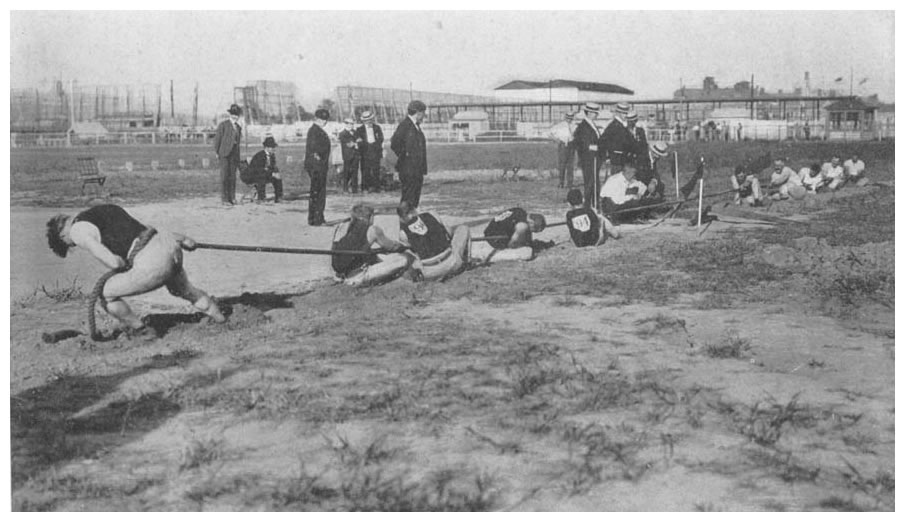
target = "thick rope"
x: 97, y: 293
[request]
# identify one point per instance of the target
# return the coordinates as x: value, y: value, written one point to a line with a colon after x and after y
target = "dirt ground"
x: 748, y: 366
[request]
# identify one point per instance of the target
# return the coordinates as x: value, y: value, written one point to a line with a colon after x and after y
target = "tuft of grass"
x: 731, y: 347
x: 199, y: 452
x: 62, y: 293
x: 763, y: 424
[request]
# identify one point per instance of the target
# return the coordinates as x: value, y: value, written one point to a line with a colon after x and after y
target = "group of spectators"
x: 786, y: 183
x: 619, y: 148
x: 361, y: 148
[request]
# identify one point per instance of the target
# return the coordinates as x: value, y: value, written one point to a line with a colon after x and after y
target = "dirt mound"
x: 244, y: 316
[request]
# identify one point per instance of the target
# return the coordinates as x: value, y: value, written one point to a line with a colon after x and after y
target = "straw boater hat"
x: 632, y: 116
x: 367, y: 116
x: 658, y: 148
x: 621, y: 108
x: 349, y: 121
x: 569, y: 115
x: 592, y: 107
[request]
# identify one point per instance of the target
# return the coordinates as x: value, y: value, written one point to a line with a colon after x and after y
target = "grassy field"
x: 743, y: 368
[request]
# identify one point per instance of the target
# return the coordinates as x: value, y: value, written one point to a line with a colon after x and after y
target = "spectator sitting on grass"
x: 811, y: 178
x: 747, y: 188
x: 510, y: 237
x: 621, y: 194
x: 854, y: 170
x: 833, y: 173
x: 782, y: 180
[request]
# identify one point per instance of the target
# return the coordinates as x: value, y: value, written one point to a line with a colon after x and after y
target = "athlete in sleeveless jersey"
x: 440, y: 254
x: 360, y: 234
x: 586, y: 227
x: 110, y: 234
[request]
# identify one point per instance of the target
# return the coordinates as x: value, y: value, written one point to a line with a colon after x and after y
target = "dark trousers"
x: 228, y: 167
x: 566, y: 154
x: 411, y: 187
x: 590, y: 168
x: 349, y: 177
x: 626, y: 214
x: 318, y: 196
x: 370, y: 173
x: 261, y: 188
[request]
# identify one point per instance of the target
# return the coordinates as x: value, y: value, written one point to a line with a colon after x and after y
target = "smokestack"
x: 807, y: 83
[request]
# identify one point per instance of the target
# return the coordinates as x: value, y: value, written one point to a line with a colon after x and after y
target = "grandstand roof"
x: 581, y: 86
x: 853, y: 104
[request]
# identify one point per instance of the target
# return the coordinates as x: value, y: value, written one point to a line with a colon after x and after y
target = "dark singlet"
x: 356, y: 238
x: 584, y: 226
x: 426, y: 235
x: 118, y: 229
x: 504, y: 225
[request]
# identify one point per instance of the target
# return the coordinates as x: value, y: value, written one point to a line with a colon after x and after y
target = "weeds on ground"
x: 199, y: 452
x: 731, y: 347
x: 763, y: 423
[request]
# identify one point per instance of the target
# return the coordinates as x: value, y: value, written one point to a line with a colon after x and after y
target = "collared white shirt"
x: 810, y: 179
x: 616, y: 188
x: 831, y: 172
x: 562, y: 132
x: 369, y: 132
x: 786, y: 175
x: 853, y: 168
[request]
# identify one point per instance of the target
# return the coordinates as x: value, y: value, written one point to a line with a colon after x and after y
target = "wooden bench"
x: 89, y: 173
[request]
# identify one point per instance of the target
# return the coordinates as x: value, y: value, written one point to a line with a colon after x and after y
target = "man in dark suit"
x: 349, y: 144
x: 638, y: 133
x: 226, y: 145
x: 617, y: 142
x: 648, y: 174
x: 317, y: 158
x: 411, y: 148
x: 370, y: 142
x: 263, y: 170
x: 587, y: 136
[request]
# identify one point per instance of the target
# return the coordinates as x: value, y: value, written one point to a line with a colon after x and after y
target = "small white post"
x: 700, y: 200
x: 675, y: 170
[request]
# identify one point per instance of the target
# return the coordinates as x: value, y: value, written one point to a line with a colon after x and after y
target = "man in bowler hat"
x: 317, y: 158
x: 263, y: 170
x: 411, y: 148
x: 226, y: 145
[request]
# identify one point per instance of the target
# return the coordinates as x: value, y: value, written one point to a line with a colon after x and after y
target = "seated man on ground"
x: 263, y: 170
x: 747, y: 188
x: 440, y: 253
x: 360, y: 234
x: 811, y: 178
x: 111, y: 235
x: 854, y: 170
x: 509, y: 237
x: 782, y: 180
x: 622, y: 194
x: 587, y: 227
x: 833, y: 173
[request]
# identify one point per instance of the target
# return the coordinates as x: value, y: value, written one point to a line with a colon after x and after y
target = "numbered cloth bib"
x: 426, y: 235
x: 584, y: 226
x: 503, y: 225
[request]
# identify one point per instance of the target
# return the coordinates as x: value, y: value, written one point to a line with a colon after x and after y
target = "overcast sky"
x: 468, y: 52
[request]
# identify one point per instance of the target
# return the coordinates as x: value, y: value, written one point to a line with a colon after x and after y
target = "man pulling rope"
x: 141, y: 259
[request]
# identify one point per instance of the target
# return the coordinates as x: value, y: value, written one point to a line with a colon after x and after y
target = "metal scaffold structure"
x: 268, y: 102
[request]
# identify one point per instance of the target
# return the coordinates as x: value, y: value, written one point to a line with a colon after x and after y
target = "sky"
x: 468, y: 52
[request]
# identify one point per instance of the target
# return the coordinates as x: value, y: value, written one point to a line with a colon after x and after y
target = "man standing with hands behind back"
x: 411, y: 148
x: 226, y: 145
x: 317, y: 158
